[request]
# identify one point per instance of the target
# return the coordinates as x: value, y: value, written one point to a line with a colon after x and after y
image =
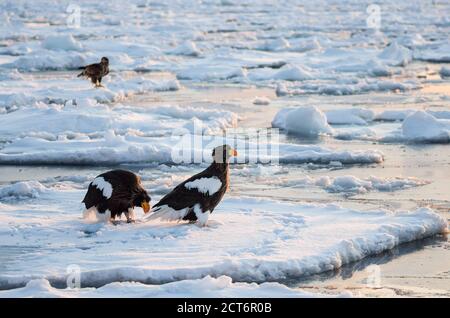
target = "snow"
x: 187, y: 48
x: 434, y: 53
x: 393, y: 115
x: 207, y: 287
x: 348, y: 184
x: 292, y: 73
x: 247, y: 239
x: 23, y: 189
x: 353, y: 184
x: 181, y: 75
x: 103, y: 186
x: 445, y: 71
x: 307, y: 121
x: 396, y: 55
x: 358, y: 86
x: 261, y: 100
x: 113, y: 148
x: 53, y: 121
x: 74, y: 90
x: 63, y: 42
x: 351, y: 116
x: 408, y: 125
x: 207, y: 186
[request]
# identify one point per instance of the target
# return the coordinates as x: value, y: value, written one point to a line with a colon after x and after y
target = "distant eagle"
x: 96, y: 71
x: 115, y: 192
x: 195, y: 199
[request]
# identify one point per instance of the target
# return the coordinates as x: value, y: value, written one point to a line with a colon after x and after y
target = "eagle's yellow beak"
x: 233, y: 153
x: 145, y: 206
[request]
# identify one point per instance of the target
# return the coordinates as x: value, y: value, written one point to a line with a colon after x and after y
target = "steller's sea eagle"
x: 195, y: 199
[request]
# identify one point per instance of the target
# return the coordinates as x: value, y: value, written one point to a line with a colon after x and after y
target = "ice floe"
x: 64, y: 42
x: 23, y: 189
x: 306, y: 121
x: 247, y: 239
x: 348, y: 184
x: 87, y: 119
x: 111, y: 148
x: 423, y: 127
x: 445, y: 71
x: 61, y: 91
x: 207, y: 287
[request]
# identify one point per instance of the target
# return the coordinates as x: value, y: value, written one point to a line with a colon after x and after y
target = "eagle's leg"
x: 100, y: 82
x: 201, y: 216
x: 95, y: 81
x: 130, y: 215
x: 114, y: 221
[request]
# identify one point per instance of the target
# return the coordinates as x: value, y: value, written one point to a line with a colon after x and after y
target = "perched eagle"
x: 115, y: 192
x: 96, y: 71
x: 195, y: 199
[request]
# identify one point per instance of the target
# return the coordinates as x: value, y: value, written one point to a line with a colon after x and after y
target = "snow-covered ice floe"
x: 92, y: 133
x: 112, y: 148
x: 88, y: 118
x: 422, y: 127
x: 415, y: 126
x: 348, y: 184
x: 207, y: 287
x: 62, y: 91
x: 247, y: 239
x: 23, y: 189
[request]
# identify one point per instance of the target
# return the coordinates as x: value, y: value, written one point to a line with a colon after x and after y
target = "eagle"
x: 115, y: 192
x: 196, y: 198
x: 96, y: 71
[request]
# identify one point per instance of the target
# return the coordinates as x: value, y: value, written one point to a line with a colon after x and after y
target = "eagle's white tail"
x: 166, y: 213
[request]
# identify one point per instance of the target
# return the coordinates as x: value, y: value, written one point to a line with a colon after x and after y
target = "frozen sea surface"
x: 363, y: 163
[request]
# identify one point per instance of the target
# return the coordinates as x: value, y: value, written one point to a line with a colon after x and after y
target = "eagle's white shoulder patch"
x: 205, y: 185
x: 103, y: 186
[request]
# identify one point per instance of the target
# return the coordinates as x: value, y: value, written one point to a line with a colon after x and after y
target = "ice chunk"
x: 423, y: 127
x: 62, y: 42
x: 350, y: 116
x: 220, y: 287
x: 23, y: 189
x: 396, y: 55
x: 306, y: 121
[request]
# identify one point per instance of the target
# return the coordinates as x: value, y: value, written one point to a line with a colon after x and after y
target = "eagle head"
x: 142, y: 199
x: 222, y: 154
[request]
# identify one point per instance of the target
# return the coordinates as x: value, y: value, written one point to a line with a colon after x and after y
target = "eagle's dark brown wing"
x: 93, y: 70
x: 178, y: 204
x: 121, y: 187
